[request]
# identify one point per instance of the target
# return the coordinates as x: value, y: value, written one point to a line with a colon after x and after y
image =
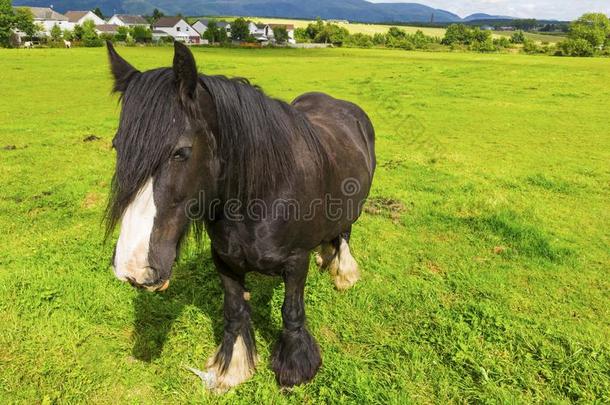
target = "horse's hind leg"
x: 338, y: 259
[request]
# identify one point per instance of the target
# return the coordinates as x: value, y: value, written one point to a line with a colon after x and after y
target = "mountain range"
x: 352, y: 10
x: 487, y: 17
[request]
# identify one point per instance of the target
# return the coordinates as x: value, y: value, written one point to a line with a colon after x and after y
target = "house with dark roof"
x: 201, y: 26
x: 79, y: 17
x: 128, y: 20
x: 176, y: 28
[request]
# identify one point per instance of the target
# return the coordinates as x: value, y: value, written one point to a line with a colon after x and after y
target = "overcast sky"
x: 552, y: 9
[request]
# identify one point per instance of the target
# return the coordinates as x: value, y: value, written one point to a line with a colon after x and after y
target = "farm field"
x: 541, y: 38
x: 484, y: 247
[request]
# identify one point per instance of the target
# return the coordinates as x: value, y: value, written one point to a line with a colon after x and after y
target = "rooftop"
x: 132, y: 19
x: 74, y: 16
x: 46, y: 13
x: 167, y: 21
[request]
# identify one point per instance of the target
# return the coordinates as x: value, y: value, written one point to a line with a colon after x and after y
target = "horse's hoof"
x: 345, y: 280
x: 296, y: 358
x: 238, y: 371
x: 344, y: 268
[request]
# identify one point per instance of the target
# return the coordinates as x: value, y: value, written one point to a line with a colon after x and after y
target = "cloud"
x: 541, y: 9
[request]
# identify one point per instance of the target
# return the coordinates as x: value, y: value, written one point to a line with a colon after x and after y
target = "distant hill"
x: 487, y: 17
x: 353, y: 10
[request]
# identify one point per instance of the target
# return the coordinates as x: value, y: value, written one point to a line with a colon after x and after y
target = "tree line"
x: 589, y: 35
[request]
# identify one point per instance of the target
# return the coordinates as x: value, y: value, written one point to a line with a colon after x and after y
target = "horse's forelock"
x: 151, y: 122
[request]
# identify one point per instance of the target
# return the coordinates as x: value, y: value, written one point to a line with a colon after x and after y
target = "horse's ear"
x: 122, y: 71
x: 185, y: 71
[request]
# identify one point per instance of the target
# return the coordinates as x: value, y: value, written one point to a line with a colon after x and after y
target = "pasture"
x: 484, y: 247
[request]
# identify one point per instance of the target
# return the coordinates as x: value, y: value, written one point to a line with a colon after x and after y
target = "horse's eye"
x: 182, y: 154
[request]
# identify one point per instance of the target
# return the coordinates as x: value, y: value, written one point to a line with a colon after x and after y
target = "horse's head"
x: 164, y: 152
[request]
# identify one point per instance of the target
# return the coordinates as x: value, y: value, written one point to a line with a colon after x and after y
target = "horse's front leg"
x: 296, y: 357
x: 235, y: 359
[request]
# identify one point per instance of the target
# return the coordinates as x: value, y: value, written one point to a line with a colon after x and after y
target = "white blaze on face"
x: 131, y: 258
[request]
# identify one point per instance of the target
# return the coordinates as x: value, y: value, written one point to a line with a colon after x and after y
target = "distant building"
x: 176, y: 28
x: 157, y: 35
x: 487, y: 28
x: 289, y: 29
x: 125, y: 20
x: 225, y: 26
x: 107, y: 29
x: 79, y: 17
x: 259, y: 31
x: 47, y: 18
x: 201, y: 26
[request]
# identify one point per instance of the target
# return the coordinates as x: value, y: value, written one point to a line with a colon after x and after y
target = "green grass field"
x: 484, y: 247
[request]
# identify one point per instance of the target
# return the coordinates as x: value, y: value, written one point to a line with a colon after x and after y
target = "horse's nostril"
x: 155, y: 272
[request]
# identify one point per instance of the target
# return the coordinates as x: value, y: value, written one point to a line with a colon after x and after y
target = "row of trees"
x: 588, y: 36
x: 323, y: 33
x: 457, y: 35
x: 87, y: 35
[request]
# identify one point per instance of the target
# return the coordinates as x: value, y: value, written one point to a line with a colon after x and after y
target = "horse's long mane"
x: 256, y: 144
x: 257, y: 138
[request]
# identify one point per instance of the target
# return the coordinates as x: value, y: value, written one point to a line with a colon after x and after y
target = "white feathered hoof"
x: 238, y: 371
x: 343, y: 268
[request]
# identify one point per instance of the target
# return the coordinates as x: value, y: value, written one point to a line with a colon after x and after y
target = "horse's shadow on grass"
x: 196, y: 283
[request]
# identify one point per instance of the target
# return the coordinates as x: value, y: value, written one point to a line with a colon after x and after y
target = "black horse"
x: 269, y: 182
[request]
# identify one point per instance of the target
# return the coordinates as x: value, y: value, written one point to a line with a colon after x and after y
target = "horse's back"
x: 340, y: 123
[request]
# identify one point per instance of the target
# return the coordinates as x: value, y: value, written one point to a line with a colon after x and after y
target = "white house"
x: 289, y: 29
x: 127, y: 20
x: 176, y: 28
x: 47, y: 18
x: 260, y: 32
x: 79, y: 17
